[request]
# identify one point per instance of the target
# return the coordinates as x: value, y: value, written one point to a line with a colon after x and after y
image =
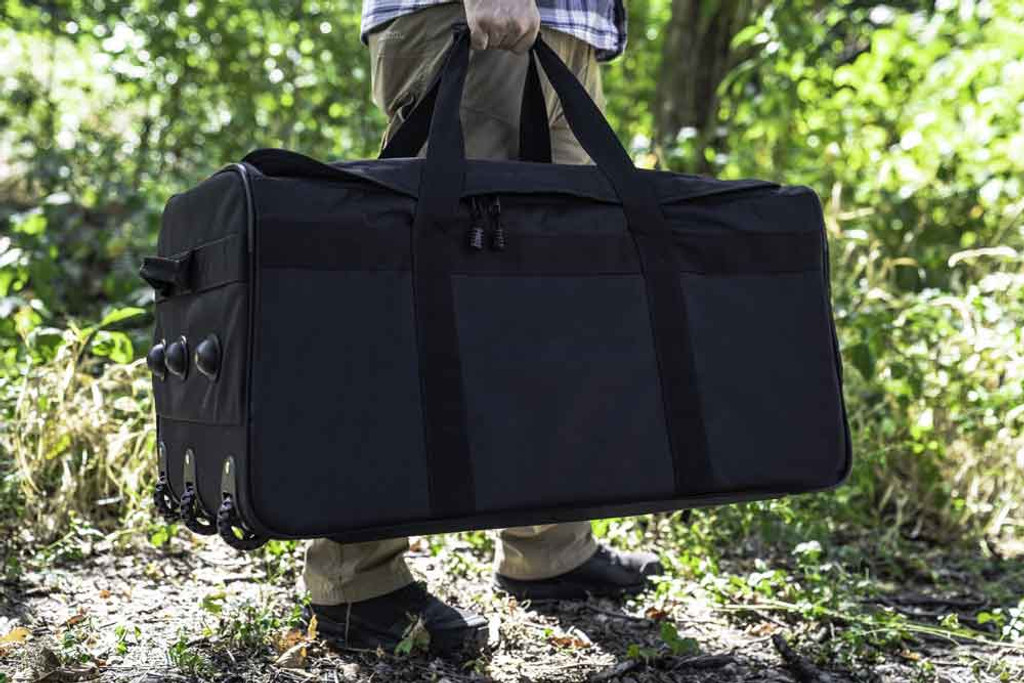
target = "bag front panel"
x: 562, y: 393
x: 767, y: 380
x: 562, y: 397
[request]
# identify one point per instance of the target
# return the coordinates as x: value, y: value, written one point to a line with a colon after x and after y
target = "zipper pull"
x: 498, y: 236
x: 476, y: 232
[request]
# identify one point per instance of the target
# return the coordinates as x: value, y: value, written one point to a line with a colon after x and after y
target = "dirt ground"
x: 199, y: 611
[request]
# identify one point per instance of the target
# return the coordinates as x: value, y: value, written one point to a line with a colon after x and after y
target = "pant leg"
x: 351, y: 572
x: 404, y: 56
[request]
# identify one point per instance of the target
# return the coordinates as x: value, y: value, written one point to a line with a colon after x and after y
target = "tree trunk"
x: 696, y: 57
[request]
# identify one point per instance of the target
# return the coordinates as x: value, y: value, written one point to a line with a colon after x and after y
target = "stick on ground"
x: 804, y: 671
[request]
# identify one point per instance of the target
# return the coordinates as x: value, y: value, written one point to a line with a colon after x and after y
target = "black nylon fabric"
x: 738, y: 322
x: 559, y: 369
x: 336, y: 394
x: 197, y: 398
x: 210, y: 224
x: 208, y: 416
x: 486, y: 176
x: 524, y: 468
x: 642, y: 341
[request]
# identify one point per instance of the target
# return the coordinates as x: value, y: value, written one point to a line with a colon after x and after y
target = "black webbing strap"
x: 534, y: 132
x: 449, y: 466
x: 207, y: 266
x: 321, y: 246
x: 667, y: 303
x: 450, y: 471
x: 167, y: 274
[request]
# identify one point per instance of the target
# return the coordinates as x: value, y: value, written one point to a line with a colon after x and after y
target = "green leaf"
x: 120, y: 314
x: 681, y: 647
x: 862, y: 359
x: 746, y: 35
x: 213, y: 602
x: 117, y: 346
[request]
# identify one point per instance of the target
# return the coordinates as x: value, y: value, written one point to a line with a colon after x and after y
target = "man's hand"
x: 503, y: 24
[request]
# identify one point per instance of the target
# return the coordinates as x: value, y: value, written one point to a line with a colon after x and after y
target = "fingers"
x: 523, y: 45
x: 478, y: 37
x: 502, y: 24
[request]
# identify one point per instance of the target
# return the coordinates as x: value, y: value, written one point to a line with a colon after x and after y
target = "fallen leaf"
x: 289, y: 639
x: 570, y: 641
x: 70, y: 675
x: 763, y: 628
x: 311, y: 631
x: 293, y: 658
x: 18, y: 634
x: 655, y: 614
x: 104, y: 594
x: 76, y: 619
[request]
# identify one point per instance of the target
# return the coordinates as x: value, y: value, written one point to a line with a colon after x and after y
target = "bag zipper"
x: 498, y: 236
x: 476, y: 230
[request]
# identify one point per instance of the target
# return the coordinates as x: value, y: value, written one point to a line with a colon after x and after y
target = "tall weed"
x: 79, y: 433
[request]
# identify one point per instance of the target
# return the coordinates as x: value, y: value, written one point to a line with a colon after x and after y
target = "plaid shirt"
x: 601, y: 23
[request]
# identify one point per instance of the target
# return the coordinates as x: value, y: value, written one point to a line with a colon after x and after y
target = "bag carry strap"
x: 166, y: 275
x: 438, y: 211
x: 204, y: 267
x: 534, y: 132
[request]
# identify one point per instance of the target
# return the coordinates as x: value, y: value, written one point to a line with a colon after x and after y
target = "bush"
x: 78, y: 432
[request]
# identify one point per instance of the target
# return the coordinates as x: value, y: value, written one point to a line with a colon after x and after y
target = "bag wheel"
x: 193, y: 515
x: 164, y: 502
x: 231, y: 529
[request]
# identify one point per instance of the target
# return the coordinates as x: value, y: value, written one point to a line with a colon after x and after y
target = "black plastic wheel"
x: 164, y: 502
x: 193, y: 516
x: 231, y: 530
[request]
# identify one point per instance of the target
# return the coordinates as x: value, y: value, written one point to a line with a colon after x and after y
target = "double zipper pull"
x: 476, y: 232
x: 498, y: 236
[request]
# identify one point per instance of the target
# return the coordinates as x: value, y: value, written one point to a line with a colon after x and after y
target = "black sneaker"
x: 608, y: 573
x: 384, y: 622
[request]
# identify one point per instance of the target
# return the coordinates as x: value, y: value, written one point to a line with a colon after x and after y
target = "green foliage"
x: 250, y: 628
x: 126, y: 635
x: 415, y: 639
x: 186, y: 658
x: 766, y: 564
x: 905, y: 118
x: 109, y: 108
x: 93, y: 462
x: 679, y: 646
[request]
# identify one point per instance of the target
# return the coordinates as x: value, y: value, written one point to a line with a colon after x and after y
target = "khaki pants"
x: 405, y: 54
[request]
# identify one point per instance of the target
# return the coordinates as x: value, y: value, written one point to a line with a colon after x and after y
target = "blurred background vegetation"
x: 907, y: 118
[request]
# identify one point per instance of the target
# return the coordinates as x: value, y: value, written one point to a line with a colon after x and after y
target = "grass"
x: 79, y: 440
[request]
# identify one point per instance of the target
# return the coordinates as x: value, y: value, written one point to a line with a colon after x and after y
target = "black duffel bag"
x: 368, y: 349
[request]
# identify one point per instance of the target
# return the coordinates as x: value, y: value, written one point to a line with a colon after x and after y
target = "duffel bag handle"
x: 534, y: 132
x: 167, y: 275
x: 444, y: 171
